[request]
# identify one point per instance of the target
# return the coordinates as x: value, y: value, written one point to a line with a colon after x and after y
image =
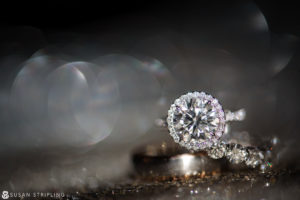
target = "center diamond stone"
x: 196, y: 120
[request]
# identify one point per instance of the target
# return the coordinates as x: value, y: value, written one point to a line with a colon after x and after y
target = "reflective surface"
x: 233, y: 185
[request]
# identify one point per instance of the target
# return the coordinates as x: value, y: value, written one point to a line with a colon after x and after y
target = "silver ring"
x: 197, y: 122
x: 169, y: 161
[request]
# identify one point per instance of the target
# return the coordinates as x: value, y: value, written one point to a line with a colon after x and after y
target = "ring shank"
x: 238, y: 115
x: 173, y: 162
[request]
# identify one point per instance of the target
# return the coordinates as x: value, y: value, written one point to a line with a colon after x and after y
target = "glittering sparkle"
x: 217, y: 151
x: 196, y: 120
x: 236, y: 153
x: 255, y: 158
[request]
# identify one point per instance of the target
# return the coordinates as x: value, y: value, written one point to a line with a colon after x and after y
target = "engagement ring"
x: 197, y: 122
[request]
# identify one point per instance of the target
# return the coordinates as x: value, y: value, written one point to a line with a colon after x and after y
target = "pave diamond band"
x: 237, y: 154
x: 197, y: 120
x: 238, y: 115
x: 249, y: 155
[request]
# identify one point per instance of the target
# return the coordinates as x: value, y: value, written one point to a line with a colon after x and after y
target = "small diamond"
x: 196, y: 116
x: 255, y: 158
x: 240, y: 114
x: 176, y: 138
x: 217, y: 151
x: 219, y: 134
x: 215, y: 101
x: 186, y: 137
x: 193, y: 144
x: 236, y: 153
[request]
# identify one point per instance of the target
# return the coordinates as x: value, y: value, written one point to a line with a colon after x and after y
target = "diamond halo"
x: 196, y: 120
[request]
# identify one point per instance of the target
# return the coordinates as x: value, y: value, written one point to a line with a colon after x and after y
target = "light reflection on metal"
x: 186, y: 161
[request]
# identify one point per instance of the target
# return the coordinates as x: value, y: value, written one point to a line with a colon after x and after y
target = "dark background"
x: 282, y: 16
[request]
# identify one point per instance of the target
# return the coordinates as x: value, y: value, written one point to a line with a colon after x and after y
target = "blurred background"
x: 82, y: 83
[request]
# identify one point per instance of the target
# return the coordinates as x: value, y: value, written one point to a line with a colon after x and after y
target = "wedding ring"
x: 197, y: 122
x: 164, y: 161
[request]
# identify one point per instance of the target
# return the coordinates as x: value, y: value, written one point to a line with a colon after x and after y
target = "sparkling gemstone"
x: 255, y: 158
x: 196, y: 116
x: 236, y: 153
x: 217, y: 151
